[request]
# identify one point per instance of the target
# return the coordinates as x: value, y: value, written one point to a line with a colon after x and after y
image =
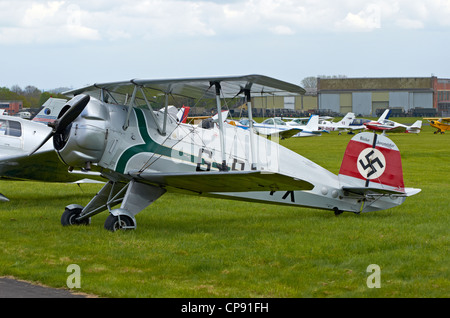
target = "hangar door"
x: 424, y: 100
x: 362, y: 103
x: 329, y: 102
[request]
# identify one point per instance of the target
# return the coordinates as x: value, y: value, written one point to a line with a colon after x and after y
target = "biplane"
x: 144, y: 152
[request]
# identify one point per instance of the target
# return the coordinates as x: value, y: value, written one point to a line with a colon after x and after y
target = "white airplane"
x: 385, y: 125
x: 270, y: 127
x: 311, y: 128
x: 19, y: 136
x: 276, y: 127
x: 345, y: 124
x: 145, y: 153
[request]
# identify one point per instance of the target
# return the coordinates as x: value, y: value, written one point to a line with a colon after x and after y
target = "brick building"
x: 12, y: 107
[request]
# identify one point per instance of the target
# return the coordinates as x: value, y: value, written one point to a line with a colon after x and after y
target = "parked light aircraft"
x: 441, y: 124
x: 276, y: 127
x: 385, y: 125
x: 19, y: 136
x: 311, y: 129
x: 144, y: 153
x: 270, y: 127
x: 345, y: 124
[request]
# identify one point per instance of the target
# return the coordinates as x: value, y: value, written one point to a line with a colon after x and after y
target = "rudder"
x: 372, y: 161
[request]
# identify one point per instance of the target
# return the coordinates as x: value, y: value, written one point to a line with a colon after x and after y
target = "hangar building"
x: 421, y: 96
x: 406, y: 96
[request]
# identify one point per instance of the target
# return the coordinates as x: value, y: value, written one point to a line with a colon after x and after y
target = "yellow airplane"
x: 442, y: 124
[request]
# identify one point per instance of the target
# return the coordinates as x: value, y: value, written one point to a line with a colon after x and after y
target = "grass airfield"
x: 189, y: 246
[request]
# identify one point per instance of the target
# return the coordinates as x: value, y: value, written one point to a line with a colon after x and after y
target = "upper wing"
x: 447, y: 119
x: 231, y: 181
x: 231, y: 86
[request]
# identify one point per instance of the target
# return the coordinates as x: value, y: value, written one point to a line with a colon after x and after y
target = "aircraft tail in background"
x: 50, y: 110
x: 183, y: 114
x: 385, y: 115
x: 415, y: 128
x: 347, y: 120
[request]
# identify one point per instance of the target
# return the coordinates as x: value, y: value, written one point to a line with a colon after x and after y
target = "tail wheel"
x: 114, y: 223
x: 70, y: 216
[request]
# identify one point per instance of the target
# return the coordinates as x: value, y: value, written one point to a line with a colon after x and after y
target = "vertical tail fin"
x: 313, y: 123
x: 347, y: 120
x: 50, y: 110
x: 415, y: 128
x: 372, y: 161
x: 385, y: 115
x: 182, y: 114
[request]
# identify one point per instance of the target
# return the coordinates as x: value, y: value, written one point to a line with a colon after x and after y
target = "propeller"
x: 77, y: 104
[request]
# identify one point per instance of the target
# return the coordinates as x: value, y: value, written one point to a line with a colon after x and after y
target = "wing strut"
x: 221, y: 132
x: 166, y: 110
x: 151, y: 111
x: 250, y: 118
x: 130, y: 107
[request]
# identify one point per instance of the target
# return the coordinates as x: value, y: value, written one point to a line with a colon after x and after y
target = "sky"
x: 51, y: 44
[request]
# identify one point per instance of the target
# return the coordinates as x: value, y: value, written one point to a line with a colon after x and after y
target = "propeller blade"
x: 77, y: 104
x: 50, y: 135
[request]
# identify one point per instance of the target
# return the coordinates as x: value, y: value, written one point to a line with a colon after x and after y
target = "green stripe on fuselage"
x: 149, y: 146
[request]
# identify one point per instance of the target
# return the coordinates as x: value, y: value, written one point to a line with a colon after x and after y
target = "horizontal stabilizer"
x: 372, y: 190
x: 412, y: 191
x: 231, y: 181
x: 377, y: 191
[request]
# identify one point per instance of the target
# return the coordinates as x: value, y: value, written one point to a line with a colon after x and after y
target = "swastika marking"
x: 371, y: 163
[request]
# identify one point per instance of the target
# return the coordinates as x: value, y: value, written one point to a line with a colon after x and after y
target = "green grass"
x: 188, y: 246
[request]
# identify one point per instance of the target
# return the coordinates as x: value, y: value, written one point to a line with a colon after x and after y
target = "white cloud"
x: 410, y: 24
x: 365, y: 20
x: 67, y: 21
x: 282, y: 30
x: 41, y: 13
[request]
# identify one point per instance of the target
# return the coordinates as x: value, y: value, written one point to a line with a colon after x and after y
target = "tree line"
x: 31, y: 96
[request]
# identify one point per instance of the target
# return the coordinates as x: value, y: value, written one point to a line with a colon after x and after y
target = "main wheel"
x: 69, y: 217
x: 113, y: 223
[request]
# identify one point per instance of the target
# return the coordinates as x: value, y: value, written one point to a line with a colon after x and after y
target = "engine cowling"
x: 83, y: 141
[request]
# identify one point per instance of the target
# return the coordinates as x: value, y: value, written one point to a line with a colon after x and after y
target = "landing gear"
x: 337, y: 211
x: 119, y: 222
x: 71, y: 215
x: 133, y: 197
